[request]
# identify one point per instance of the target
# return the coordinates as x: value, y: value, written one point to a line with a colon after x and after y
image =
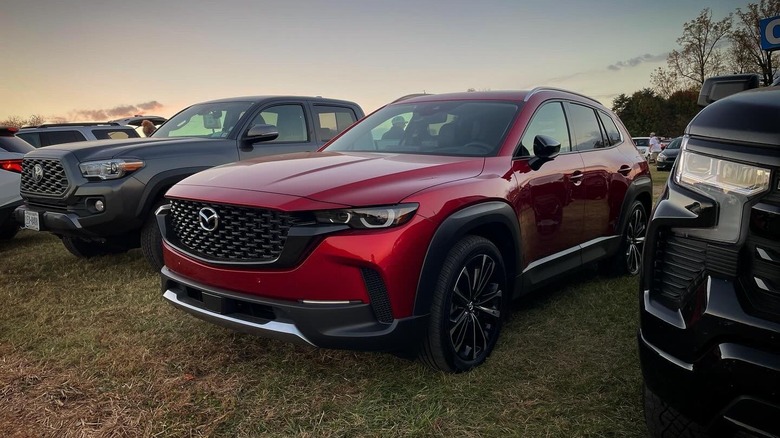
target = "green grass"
x: 89, y: 348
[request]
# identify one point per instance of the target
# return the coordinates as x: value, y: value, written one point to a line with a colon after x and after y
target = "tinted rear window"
x: 13, y: 144
x: 114, y: 134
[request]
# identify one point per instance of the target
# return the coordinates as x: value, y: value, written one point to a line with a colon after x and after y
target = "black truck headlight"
x: 109, y: 169
x: 729, y: 183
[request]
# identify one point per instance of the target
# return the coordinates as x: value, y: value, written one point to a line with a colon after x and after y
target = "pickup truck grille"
x: 52, y: 181
x: 239, y: 234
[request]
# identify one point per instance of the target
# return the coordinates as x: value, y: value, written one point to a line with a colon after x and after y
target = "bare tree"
x: 18, y: 122
x: 746, y: 39
x: 701, y: 53
x: 666, y: 82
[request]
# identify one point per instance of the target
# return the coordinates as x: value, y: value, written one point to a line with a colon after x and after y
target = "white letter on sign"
x: 770, y: 32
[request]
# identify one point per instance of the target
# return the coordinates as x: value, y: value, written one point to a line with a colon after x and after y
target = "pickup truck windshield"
x: 208, y: 120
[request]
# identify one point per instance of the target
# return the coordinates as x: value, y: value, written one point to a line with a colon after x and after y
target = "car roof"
x: 505, y: 95
x: 257, y: 99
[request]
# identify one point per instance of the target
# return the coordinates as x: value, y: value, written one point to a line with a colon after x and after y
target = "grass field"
x: 89, y: 348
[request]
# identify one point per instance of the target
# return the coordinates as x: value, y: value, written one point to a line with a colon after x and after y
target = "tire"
x: 83, y: 248
x: 151, y: 240
x: 663, y: 421
x: 628, y: 259
x: 464, y: 325
x: 8, y: 230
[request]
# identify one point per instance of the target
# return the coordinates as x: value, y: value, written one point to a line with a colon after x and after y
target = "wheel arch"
x: 493, y: 220
x: 159, y: 184
x: 641, y: 189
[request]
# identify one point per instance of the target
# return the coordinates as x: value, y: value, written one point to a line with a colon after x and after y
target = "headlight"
x: 370, y: 217
x: 729, y: 183
x: 109, y: 169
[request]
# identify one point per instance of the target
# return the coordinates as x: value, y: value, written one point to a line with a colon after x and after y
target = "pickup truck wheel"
x: 8, y: 229
x: 151, y: 240
x: 87, y: 248
x: 469, y: 304
x: 664, y: 421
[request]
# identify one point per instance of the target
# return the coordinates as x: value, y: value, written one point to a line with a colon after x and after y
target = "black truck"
x: 709, y: 338
x: 100, y: 196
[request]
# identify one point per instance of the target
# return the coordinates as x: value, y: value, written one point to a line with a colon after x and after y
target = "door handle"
x: 576, y: 177
x: 624, y: 170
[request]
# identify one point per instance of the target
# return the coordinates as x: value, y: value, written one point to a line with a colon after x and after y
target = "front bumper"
x: 709, y: 338
x: 338, y: 325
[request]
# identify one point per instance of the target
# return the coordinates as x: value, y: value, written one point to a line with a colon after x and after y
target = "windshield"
x: 675, y: 144
x: 456, y: 128
x: 210, y: 120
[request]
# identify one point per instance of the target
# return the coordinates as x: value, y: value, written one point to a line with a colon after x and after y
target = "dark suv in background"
x: 709, y: 338
x: 58, y: 133
x: 415, y: 228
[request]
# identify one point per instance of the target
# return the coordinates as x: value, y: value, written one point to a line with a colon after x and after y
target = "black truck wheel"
x: 151, y: 240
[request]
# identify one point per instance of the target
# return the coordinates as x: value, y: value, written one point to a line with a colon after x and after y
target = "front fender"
x: 494, y: 220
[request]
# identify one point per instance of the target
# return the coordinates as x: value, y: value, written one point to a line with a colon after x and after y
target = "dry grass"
x: 88, y: 348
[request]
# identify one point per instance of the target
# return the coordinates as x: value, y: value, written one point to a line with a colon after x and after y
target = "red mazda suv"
x: 414, y: 228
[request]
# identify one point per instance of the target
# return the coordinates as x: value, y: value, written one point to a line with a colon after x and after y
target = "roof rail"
x: 540, y: 89
x: 56, y: 125
x: 409, y: 96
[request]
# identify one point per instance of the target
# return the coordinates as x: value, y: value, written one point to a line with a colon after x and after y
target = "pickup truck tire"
x: 86, y: 248
x: 663, y: 421
x: 8, y: 230
x: 151, y: 240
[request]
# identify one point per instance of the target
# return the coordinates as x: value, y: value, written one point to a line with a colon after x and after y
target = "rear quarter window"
x: 114, y: 134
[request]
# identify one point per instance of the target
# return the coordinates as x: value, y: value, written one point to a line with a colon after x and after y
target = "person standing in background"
x: 148, y: 128
x: 655, y: 147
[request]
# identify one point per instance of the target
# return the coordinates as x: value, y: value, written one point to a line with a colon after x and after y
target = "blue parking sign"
x: 770, y: 33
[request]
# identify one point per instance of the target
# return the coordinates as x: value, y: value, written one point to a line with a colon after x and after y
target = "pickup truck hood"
x: 746, y: 117
x: 147, y: 148
x: 333, y: 177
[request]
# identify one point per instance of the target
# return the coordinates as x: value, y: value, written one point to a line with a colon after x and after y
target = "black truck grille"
x: 681, y: 264
x: 49, y: 180
x: 240, y: 234
x: 762, y: 274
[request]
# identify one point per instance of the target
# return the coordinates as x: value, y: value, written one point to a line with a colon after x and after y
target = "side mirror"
x: 262, y: 132
x: 546, y: 149
x: 718, y: 87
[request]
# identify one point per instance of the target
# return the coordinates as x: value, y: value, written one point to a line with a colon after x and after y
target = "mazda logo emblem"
x: 208, y: 219
x: 37, y: 173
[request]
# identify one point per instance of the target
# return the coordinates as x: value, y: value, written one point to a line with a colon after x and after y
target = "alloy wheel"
x: 635, y: 239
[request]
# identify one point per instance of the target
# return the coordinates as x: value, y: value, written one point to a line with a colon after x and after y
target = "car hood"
x: 333, y: 177
x: 142, y: 147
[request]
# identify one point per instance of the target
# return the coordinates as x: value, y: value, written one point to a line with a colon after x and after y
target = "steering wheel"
x: 484, y: 148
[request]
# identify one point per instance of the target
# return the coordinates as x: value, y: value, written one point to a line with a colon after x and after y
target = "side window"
x: 331, y: 120
x: 288, y: 119
x: 549, y: 120
x: 587, y: 131
x: 57, y: 137
x: 613, y: 134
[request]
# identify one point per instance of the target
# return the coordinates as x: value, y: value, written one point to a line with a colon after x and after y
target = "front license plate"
x: 32, y: 220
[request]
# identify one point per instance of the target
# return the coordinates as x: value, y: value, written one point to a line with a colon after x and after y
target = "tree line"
x: 707, y: 47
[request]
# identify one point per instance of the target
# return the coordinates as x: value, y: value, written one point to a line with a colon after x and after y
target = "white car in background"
x: 643, y: 145
x: 12, y: 149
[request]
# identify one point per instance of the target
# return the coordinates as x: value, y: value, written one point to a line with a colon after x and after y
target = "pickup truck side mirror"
x: 718, y: 87
x: 262, y: 132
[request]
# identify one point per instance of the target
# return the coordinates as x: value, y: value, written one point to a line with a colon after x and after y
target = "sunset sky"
x: 101, y: 59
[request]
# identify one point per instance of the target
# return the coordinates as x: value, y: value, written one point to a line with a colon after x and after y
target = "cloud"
x: 633, y: 62
x: 116, y: 112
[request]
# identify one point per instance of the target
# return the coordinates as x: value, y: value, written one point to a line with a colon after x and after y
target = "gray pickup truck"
x: 99, y: 196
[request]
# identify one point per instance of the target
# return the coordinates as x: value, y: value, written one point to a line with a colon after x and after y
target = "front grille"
x: 52, y: 182
x: 761, y: 275
x: 242, y: 234
x: 681, y: 265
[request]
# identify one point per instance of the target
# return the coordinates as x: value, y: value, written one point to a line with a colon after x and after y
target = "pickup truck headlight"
x: 109, y: 169
x: 727, y: 182
x: 370, y: 217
